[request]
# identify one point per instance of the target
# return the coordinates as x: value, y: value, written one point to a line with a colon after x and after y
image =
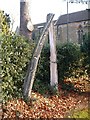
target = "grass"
x: 84, y: 113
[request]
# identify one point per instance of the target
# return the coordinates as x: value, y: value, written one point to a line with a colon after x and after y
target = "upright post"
x: 53, y: 58
x: 26, y: 26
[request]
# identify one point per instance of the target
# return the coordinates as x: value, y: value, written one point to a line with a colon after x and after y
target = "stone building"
x: 73, y: 26
x: 69, y: 27
x: 38, y: 28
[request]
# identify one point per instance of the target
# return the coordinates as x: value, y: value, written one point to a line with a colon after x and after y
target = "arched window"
x: 80, y: 34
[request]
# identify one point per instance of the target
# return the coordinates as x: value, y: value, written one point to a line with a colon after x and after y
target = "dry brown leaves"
x: 83, y: 83
x: 42, y: 107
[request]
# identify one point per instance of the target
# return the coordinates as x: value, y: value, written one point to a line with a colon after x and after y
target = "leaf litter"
x: 56, y: 106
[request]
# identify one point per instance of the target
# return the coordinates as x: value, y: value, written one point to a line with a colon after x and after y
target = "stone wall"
x: 38, y: 28
x: 75, y: 31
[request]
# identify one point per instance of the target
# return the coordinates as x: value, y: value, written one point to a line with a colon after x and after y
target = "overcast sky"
x: 39, y: 9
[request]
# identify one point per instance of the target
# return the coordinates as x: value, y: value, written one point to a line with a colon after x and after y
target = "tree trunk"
x: 28, y: 82
x: 26, y: 26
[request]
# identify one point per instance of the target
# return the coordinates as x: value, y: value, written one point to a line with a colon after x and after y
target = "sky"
x: 39, y: 9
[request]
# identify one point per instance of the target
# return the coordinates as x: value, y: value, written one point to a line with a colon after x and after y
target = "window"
x: 80, y: 34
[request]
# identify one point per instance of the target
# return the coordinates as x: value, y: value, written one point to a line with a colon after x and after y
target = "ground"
x: 61, y: 105
x: 41, y: 107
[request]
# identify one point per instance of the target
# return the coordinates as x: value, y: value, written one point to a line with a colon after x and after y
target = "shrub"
x: 15, y: 54
x: 44, y: 88
x: 40, y: 87
x: 68, y: 56
x: 4, y: 22
x: 43, y: 70
x: 85, y: 48
x: 86, y: 42
x: 70, y: 63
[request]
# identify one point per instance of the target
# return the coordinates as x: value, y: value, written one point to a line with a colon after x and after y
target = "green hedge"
x: 15, y: 54
x: 43, y: 70
x: 68, y: 56
x: 70, y: 62
x: 85, y: 48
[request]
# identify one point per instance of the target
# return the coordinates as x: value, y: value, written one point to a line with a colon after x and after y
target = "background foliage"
x: 68, y: 56
x: 4, y: 22
x: 85, y: 48
x: 71, y: 62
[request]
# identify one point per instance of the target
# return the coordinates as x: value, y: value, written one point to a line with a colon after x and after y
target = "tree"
x: 26, y: 26
x: 4, y: 22
x: 4, y: 28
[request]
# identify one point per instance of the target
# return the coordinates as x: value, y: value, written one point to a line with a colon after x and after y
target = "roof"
x: 74, y: 17
x: 41, y: 25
